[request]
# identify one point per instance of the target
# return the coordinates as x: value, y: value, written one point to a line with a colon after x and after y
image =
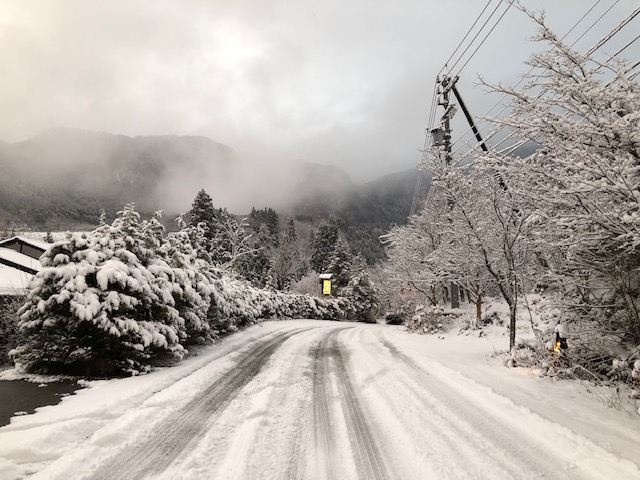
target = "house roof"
x: 19, y: 261
x: 38, y: 244
x: 326, y: 276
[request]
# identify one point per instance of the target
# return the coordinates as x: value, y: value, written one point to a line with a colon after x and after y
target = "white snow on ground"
x: 337, y: 400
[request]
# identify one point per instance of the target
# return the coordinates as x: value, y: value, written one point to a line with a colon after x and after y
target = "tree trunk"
x: 512, y: 325
x: 434, y: 296
x: 478, y: 310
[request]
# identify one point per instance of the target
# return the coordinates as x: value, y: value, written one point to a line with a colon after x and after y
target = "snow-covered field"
x: 317, y: 399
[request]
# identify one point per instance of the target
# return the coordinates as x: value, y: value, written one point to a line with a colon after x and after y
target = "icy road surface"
x: 308, y: 400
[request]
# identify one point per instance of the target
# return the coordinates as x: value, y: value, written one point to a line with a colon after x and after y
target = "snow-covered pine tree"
x: 95, y: 308
x: 340, y: 264
x: 202, y: 210
x: 362, y: 294
x: 191, y: 288
x: 219, y: 311
x: 287, y: 263
x: 255, y: 267
x: 324, y: 241
x: 217, y: 224
x: 267, y: 217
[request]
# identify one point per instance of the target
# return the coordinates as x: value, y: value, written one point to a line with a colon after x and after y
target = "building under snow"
x: 19, y: 262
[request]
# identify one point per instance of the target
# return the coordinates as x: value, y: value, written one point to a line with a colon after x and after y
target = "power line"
x: 613, y: 32
x: 533, y: 68
x: 465, y: 36
x: 581, y: 19
x: 626, y: 46
x: 477, y: 34
x: 425, y: 148
x: 433, y: 106
x: 599, y: 44
x: 595, y: 23
x: 484, y: 39
x: 508, y: 150
x: 628, y: 69
x: 575, y: 25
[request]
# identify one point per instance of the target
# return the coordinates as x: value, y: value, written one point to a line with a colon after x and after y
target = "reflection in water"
x: 21, y: 396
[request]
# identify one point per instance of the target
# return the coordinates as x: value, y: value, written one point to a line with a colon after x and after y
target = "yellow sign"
x: 326, y: 287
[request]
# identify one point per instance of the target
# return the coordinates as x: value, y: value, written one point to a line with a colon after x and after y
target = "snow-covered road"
x: 303, y: 399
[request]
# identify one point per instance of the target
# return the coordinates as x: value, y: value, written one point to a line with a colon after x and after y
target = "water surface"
x: 22, y: 396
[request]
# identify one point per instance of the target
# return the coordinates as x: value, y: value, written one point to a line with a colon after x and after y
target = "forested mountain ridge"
x: 384, y: 201
x: 66, y: 176
x: 45, y: 175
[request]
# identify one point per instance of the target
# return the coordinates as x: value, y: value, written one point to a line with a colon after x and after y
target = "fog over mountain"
x: 343, y: 83
x: 62, y: 167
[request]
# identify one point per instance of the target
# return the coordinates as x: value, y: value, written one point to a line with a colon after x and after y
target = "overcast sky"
x: 343, y: 82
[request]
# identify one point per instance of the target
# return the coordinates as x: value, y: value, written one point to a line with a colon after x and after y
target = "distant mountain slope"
x: 71, y: 174
x: 105, y: 166
x: 384, y: 201
x: 67, y: 175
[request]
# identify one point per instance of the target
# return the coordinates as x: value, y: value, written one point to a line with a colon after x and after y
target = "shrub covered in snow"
x: 9, y: 334
x: 567, y: 348
x: 364, y: 297
x: 115, y: 300
x: 395, y: 318
x: 431, y: 319
x: 102, y: 304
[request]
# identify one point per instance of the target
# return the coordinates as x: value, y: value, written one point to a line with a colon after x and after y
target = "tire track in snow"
x: 263, y: 432
x: 324, y: 434
x: 369, y: 459
x: 175, y: 435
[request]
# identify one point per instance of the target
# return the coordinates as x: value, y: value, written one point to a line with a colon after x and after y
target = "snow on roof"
x: 19, y: 258
x: 13, y: 281
x: 326, y: 276
x: 36, y: 243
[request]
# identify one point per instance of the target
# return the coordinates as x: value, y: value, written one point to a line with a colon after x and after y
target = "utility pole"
x: 446, y: 84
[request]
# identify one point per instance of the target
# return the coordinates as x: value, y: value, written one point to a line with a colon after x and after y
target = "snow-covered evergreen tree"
x: 363, y: 295
x: 223, y: 237
x: 267, y: 217
x: 191, y: 289
x: 287, y: 263
x: 96, y: 307
x: 255, y: 266
x: 324, y: 243
x: 202, y: 210
x: 340, y: 264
